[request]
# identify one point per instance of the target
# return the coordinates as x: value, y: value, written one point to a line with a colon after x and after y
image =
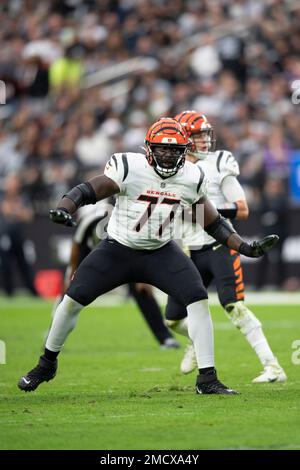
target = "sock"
x: 56, y: 304
x: 200, y: 330
x: 259, y: 343
x: 181, y: 327
x: 54, y: 307
x: 207, y: 371
x: 51, y: 355
x: 64, y: 321
x: 245, y: 320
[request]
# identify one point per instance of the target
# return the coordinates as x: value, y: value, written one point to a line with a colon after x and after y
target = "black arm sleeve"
x: 229, y: 213
x: 220, y: 230
x: 82, y: 195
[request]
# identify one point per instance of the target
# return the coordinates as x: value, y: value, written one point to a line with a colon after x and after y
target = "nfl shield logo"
x: 162, y: 185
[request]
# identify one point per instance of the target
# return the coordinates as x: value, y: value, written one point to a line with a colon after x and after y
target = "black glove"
x: 257, y: 249
x: 62, y: 216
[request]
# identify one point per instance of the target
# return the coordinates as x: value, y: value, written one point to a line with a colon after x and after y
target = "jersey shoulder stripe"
x: 125, y: 165
x: 229, y: 158
x: 201, y: 178
x: 220, y: 155
x: 115, y: 161
x: 226, y: 163
x: 223, y: 157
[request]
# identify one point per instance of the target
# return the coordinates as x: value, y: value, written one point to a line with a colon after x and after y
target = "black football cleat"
x: 209, y: 384
x: 43, y: 372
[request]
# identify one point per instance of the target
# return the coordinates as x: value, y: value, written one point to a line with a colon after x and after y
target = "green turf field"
x: 116, y: 389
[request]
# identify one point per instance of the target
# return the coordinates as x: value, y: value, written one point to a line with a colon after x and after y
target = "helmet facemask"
x: 166, y: 159
x: 166, y: 145
x: 200, y: 132
x: 202, y: 143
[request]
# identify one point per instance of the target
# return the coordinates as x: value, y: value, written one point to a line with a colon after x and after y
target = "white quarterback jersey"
x: 147, y: 205
x: 216, y: 167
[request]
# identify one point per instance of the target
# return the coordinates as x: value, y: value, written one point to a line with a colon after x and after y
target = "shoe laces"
x: 215, y: 385
x: 36, y: 372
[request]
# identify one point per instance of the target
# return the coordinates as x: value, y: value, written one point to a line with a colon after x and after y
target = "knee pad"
x: 172, y: 324
x: 178, y: 326
x: 242, y: 317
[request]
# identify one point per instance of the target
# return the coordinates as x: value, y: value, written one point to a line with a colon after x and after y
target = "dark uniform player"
x: 150, y: 191
x: 90, y: 230
x: 216, y: 262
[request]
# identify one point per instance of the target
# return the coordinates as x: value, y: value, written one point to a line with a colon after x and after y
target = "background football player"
x: 214, y: 261
x: 149, y: 190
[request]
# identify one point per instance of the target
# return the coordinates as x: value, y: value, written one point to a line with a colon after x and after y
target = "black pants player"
x: 214, y: 262
x: 112, y: 264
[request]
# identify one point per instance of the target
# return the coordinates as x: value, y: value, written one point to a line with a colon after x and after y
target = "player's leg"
x: 6, y: 258
x: 176, y: 318
x: 84, y: 251
x: 105, y: 268
x: 228, y: 273
x: 177, y: 321
x: 181, y: 280
x: 143, y: 295
x: 23, y: 264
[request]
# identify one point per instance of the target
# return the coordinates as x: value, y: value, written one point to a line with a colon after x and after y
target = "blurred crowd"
x: 233, y: 60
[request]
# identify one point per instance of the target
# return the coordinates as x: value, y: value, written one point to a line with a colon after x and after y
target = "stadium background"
x: 81, y: 80
x: 85, y: 78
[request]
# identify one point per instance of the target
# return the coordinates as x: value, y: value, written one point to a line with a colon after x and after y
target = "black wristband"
x: 63, y: 209
x: 82, y: 194
x: 229, y: 213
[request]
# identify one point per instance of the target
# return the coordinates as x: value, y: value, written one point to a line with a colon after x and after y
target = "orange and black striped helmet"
x: 166, y: 144
x: 193, y: 122
x: 196, y: 123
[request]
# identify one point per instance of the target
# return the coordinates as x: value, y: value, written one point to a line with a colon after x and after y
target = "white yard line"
x: 118, y: 298
x: 253, y: 298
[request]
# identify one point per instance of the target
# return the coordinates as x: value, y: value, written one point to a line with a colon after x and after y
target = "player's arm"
x: 97, y: 188
x: 236, y: 207
x: 216, y: 226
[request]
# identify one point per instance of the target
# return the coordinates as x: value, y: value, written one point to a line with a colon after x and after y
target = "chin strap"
x: 199, y: 155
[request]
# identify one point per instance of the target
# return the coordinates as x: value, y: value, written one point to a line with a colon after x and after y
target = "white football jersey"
x: 216, y: 167
x: 147, y: 205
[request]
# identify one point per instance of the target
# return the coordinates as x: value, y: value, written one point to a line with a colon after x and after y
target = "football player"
x: 149, y: 190
x: 90, y: 230
x: 213, y: 260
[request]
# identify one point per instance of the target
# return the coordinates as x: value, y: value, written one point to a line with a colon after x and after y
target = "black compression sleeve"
x: 82, y: 195
x: 229, y: 213
x: 220, y: 230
